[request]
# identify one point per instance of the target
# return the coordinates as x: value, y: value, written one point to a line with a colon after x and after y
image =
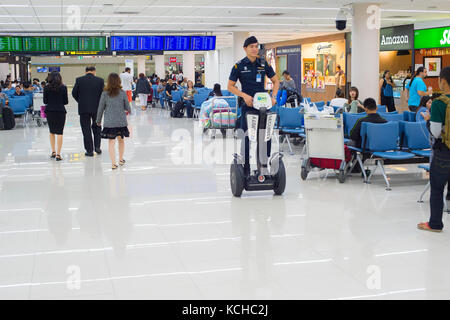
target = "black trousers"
x: 89, y: 128
x: 245, y: 141
x: 389, y: 103
x: 439, y: 176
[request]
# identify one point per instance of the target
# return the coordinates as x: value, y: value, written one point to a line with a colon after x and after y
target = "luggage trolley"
x: 38, y: 103
x: 325, y: 141
x: 222, y: 118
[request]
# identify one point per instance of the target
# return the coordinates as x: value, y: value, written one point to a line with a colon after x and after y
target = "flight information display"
x: 64, y: 43
x: 201, y: 43
x: 92, y: 43
x: 10, y: 44
x: 36, y: 44
x: 124, y: 43
x: 178, y: 43
x: 149, y: 43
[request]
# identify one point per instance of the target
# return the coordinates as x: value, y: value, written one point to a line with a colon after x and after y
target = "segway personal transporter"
x: 270, y: 173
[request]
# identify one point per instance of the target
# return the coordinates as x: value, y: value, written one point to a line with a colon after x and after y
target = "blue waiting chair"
x: 199, y: 98
x: 350, y: 121
x: 380, y: 140
x: 392, y: 117
x: 19, y: 106
x: 290, y: 123
x: 409, y: 116
x: 416, y: 138
x: 382, y: 109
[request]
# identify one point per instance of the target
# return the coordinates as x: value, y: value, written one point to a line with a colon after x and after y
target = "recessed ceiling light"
x: 126, y: 12
x: 271, y: 14
x: 432, y: 7
x: 399, y: 17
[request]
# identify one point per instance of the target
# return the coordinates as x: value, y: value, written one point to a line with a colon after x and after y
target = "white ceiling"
x: 297, y: 19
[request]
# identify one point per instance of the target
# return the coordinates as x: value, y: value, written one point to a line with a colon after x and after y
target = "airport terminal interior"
x: 180, y: 216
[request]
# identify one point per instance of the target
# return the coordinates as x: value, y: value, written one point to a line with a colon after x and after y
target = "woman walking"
x: 55, y: 99
x: 143, y: 90
x: 114, y: 103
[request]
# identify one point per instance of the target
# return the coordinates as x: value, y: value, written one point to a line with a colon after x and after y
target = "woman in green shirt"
x: 353, y: 105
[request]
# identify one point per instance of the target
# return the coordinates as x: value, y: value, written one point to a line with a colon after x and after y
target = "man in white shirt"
x: 127, y: 80
x: 339, y: 100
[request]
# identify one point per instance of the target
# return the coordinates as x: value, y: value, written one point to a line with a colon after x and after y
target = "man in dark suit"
x: 87, y: 92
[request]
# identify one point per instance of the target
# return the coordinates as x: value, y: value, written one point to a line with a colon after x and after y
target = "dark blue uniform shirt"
x: 247, y: 73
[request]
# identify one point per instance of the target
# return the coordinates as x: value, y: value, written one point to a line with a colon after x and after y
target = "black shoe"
x: 89, y: 154
x: 98, y: 151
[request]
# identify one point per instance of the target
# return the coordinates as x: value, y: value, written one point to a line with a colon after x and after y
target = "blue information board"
x: 149, y: 43
x: 178, y: 43
x: 123, y: 43
x: 202, y: 43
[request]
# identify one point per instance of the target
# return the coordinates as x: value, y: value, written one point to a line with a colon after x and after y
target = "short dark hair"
x: 127, y: 69
x: 370, y: 104
x: 285, y: 72
x: 340, y: 93
x: 445, y: 74
x: 90, y: 69
x: 36, y: 79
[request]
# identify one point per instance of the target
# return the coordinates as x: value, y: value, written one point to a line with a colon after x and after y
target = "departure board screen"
x: 179, y: 43
x: 92, y: 43
x: 36, y: 44
x: 64, y: 43
x: 149, y: 43
x: 124, y: 43
x: 200, y: 43
x: 10, y: 44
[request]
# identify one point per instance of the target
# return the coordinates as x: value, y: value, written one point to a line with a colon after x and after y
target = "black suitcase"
x: 8, y: 119
x: 178, y: 110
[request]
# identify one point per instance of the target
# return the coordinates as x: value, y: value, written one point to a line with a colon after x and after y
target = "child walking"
x: 114, y: 104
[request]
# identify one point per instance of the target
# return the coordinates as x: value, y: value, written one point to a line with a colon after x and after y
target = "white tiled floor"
x: 161, y: 229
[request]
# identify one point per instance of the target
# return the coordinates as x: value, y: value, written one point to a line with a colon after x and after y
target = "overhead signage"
x: 288, y: 50
x: 396, y: 38
x: 432, y: 38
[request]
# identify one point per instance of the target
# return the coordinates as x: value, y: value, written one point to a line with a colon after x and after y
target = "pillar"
x: 238, y: 45
x: 189, y: 65
x: 211, y: 68
x: 160, y: 70
x: 365, y: 64
x: 141, y: 65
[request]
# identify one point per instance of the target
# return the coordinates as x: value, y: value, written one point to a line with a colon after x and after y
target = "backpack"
x: 446, y: 129
x: 8, y: 119
x: 178, y: 110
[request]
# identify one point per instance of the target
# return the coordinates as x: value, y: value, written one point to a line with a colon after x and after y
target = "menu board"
x: 92, y: 43
x: 124, y: 43
x: 149, y: 43
x: 64, y: 43
x: 178, y: 43
x: 36, y: 44
x: 203, y: 43
x: 10, y: 44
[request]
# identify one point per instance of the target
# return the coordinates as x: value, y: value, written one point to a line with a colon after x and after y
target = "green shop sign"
x: 432, y: 38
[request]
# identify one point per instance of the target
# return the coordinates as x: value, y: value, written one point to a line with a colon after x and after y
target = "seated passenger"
x: 288, y: 83
x: 370, y: 106
x: 216, y: 92
x: 18, y: 92
x: 339, y: 99
x: 423, y: 112
x: 353, y: 105
x: 27, y: 87
x: 188, y: 97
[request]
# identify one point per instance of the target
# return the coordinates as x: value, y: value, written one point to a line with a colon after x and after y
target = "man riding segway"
x: 251, y: 72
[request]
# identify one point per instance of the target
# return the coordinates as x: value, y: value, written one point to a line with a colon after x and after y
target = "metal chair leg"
x: 359, y: 160
x: 388, y: 186
x: 371, y: 174
x: 289, y: 145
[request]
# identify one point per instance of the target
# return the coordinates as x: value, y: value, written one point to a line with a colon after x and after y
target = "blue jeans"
x: 189, y: 109
x: 439, y: 176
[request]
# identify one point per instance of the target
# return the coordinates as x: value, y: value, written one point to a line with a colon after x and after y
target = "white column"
x: 189, y: 65
x: 238, y: 45
x: 159, y: 66
x: 365, y: 49
x: 211, y: 68
x: 141, y: 64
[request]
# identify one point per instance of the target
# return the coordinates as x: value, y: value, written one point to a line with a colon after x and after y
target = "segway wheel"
x: 341, y: 176
x: 304, y: 173
x: 39, y: 122
x: 280, y: 179
x: 237, y: 179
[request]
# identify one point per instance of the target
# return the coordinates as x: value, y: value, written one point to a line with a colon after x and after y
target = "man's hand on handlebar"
x: 274, y: 101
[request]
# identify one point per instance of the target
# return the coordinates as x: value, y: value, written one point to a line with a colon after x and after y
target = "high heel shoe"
x: 53, y: 155
x: 58, y: 157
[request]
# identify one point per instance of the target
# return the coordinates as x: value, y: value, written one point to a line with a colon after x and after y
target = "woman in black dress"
x: 55, y: 99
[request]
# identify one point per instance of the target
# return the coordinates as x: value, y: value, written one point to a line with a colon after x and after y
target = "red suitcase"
x: 330, y: 163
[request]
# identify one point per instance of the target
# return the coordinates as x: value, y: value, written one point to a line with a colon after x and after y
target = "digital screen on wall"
x: 64, y: 43
x: 149, y: 43
x: 42, y: 69
x: 124, y: 43
x: 199, y: 43
x: 10, y: 44
x: 51, y: 69
x: 92, y: 43
x: 36, y: 44
x: 177, y: 43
